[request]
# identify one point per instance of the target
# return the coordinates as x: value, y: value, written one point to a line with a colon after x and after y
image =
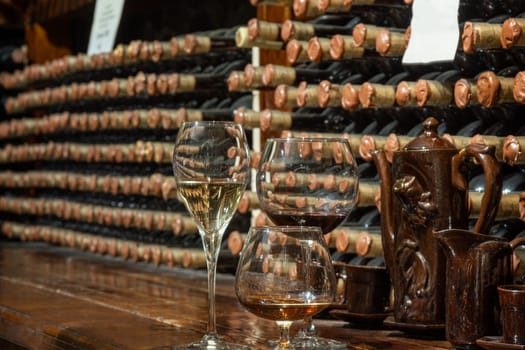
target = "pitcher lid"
x: 429, y: 139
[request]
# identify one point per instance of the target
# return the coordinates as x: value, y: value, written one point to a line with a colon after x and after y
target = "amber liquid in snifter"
x: 282, y: 310
x: 285, y: 274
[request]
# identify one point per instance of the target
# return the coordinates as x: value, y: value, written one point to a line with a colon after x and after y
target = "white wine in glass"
x: 211, y: 168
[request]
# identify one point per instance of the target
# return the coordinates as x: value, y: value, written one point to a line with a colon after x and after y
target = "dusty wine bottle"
x: 329, y: 95
x: 306, y: 95
x: 305, y: 31
x: 196, y: 44
x: 318, y: 49
x: 285, y: 96
x: 263, y: 30
x: 391, y: 43
x: 480, y: 35
x: 438, y: 92
x: 297, y: 51
x: 279, y: 120
x: 274, y: 75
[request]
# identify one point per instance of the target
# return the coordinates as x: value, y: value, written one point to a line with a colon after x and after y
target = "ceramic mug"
x: 367, y: 289
x: 512, y: 302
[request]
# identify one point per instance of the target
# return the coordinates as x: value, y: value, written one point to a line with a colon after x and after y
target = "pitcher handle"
x: 515, y: 243
x: 493, y: 182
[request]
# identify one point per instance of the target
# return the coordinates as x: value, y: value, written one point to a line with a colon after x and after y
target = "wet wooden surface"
x: 58, y: 298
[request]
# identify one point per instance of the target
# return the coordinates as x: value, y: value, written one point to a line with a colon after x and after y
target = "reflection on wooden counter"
x: 59, y: 298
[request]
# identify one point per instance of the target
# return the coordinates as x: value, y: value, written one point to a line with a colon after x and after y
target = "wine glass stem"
x: 212, y: 267
x: 309, y: 327
x: 284, y: 334
x: 211, y: 248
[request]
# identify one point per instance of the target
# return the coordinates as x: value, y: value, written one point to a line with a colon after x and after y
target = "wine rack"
x: 86, y: 141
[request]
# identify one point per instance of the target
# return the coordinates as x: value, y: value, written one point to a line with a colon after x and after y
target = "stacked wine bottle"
x: 344, y: 76
x: 86, y: 142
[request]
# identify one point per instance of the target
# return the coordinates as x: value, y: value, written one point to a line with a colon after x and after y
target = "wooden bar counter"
x: 59, y: 298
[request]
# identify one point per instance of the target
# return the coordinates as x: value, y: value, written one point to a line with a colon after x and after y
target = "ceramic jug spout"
x: 457, y: 243
x: 386, y: 208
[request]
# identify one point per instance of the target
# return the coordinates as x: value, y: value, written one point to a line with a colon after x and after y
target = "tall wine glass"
x: 284, y: 274
x: 211, y: 167
x: 308, y: 181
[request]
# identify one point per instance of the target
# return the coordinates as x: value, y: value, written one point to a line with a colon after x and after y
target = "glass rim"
x: 308, y: 139
x: 209, y: 122
x: 512, y: 288
x: 287, y: 228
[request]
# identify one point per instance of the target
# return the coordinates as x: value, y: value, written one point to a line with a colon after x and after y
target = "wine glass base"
x: 313, y: 343
x: 205, y: 344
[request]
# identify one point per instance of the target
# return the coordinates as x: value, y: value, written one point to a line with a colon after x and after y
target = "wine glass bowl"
x: 307, y: 181
x: 284, y: 274
x: 211, y: 168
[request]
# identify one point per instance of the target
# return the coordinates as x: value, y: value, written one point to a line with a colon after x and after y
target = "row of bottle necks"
x: 308, y: 9
x: 187, y: 255
x: 158, y: 192
x: 348, y: 244
x: 337, y: 60
x: 152, y: 160
x: 492, y: 99
x: 355, y: 39
x: 328, y: 85
x: 326, y: 17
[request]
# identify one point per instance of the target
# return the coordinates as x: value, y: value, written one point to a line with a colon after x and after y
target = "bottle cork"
x: 264, y: 30
x: 342, y: 47
x: 465, y: 93
x: 390, y: 43
x: 253, y: 75
x: 297, y: 51
x: 247, y: 118
x: 433, y: 93
x: 196, y: 44
x: 334, y: 5
x: 350, y: 97
x: 511, y: 33
x: 275, y: 120
x: 376, y: 95
x: 307, y: 95
x: 493, y: 89
x: 285, y: 96
x: 406, y: 94
x: 329, y: 95
x: 366, y: 146
x: 185, y: 114
x: 236, y: 82
x: 318, y: 49
x: 275, y: 74
x: 242, y: 40
x: 303, y: 9
x: 296, y: 30
x: 364, y: 35
x: 518, y: 90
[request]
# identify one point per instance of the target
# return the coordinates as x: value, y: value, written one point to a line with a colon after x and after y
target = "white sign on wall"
x: 105, y: 25
x: 435, y: 31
